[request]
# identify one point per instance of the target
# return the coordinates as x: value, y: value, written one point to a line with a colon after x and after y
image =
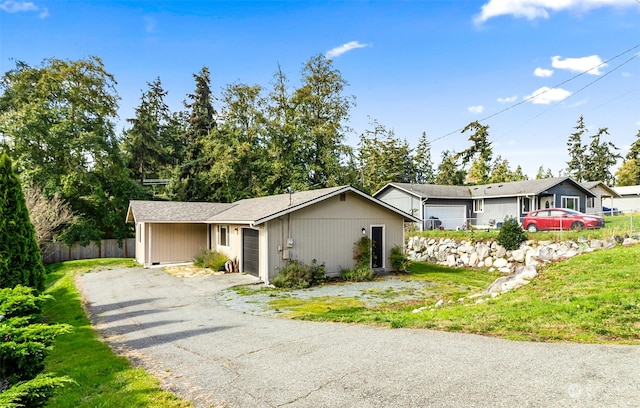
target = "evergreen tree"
x: 384, y: 159
x: 629, y: 172
x: 479, y: 153
x: 576, y: 166
x: 602, y: 156
x: 283, y: 143
x: 150, y: 144
x: 192, y: 183
x: 449, y: 173
x: 20, y: 261
x: 425, y: 173
x: 543, y: 174
x: 321, y: 115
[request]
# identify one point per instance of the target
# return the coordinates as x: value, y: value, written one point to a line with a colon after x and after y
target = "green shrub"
x: 297, y: 275
x: 211, y: 259
x: 24, y: 344
x: 358, y: 274
x: 399, y: 260
x: 511, y: 234
x: 20, y: 261
x: 362, y: 252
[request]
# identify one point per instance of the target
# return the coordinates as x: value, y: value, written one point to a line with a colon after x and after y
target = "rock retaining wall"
x: 519, y: 265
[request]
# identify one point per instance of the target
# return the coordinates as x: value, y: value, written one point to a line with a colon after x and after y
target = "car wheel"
x: 532, y: 228
x: 577, y: 226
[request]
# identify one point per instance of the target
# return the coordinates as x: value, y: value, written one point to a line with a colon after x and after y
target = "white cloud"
x: 475, y: 109
x: 543, y: 73
x: 546, y: 95
x: 532, y: 9
x: 509, y: 99
x: 590, y: 64
x: 12, y: 6
x: 338, y: 51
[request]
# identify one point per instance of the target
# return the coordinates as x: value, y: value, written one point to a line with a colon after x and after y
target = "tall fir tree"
x: 576, y: 166
x: 192, y: 183
x: 630, y: 169
x: 602, y: 156
x: 425, y: 174
x: 479, y: 154
x: 20, y: 261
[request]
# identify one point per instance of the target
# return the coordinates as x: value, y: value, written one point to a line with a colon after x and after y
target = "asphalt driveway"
x: 216, y: 356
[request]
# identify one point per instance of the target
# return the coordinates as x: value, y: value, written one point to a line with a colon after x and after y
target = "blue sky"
x: 413, y: 66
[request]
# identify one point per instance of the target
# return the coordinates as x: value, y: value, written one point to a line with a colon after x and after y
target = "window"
x: 478, y: 205
x: 526, y: 204
x: 572, y: 203
x: 591, y: 202
x: 223, y: 235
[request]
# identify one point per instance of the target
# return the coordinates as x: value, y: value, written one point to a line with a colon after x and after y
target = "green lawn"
x: 103, y: 379
x: 592, y: 298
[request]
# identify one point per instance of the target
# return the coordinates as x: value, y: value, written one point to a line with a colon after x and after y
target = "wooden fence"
x: 108, y: 248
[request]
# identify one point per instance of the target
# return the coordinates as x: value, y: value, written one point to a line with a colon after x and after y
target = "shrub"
x: 511, y: 234
x: 399, y: 260
x: 24, y: 344
x: 362, y: 252
x: 20, y: 261
x: 358, y: 274
x: 297, y: 275
x: 211, y: 259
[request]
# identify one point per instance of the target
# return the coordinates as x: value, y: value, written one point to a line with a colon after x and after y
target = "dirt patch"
x: 190, y: 271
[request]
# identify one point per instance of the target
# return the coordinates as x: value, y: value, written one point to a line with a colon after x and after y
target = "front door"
x: 377, y: 250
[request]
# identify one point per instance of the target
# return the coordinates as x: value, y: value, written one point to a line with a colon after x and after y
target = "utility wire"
x: 557, y: 86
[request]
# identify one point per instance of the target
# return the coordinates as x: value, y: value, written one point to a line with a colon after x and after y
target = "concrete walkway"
x: 215, y: 356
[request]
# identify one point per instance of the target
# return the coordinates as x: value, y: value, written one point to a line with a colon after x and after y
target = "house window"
x: 572, y: 203
x: 526, y: 204
x: 343, y: 196
x: 223, y: 235
x: 478, y: 205
x: 591, y: 202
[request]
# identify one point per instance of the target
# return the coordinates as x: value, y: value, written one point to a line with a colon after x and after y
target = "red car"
x: 560, y: 218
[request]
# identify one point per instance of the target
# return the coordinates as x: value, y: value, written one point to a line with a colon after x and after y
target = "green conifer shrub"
x: 20, y: 261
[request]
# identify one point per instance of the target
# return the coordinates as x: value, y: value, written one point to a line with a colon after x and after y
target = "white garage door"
x: 450, y: 216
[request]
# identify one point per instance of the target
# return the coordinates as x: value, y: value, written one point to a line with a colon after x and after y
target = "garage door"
x: 451, y: 217
x: 250, y: 251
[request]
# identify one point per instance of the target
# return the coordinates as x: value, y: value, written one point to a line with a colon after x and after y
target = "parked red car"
x: 560, y: 218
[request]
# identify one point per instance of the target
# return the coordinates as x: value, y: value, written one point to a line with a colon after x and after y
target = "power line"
x: 557, y: 86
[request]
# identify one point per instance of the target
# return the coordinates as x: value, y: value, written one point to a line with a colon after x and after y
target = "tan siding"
x: 327, y: 231
x: 176, y: 242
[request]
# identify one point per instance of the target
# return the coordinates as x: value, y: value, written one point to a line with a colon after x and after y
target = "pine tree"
x: 20, y: 262
x: 602, y: 156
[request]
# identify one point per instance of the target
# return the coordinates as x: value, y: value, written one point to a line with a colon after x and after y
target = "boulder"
x: 500, y: 263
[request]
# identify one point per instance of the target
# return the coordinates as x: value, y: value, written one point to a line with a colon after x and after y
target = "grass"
x: 103, y: 378
x: 592, y: 298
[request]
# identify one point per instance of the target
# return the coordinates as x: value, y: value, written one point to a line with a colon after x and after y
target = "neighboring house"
x: 628, y: 200
x: 263, y: 233
x: 482, y: 206
x: 603, y: 196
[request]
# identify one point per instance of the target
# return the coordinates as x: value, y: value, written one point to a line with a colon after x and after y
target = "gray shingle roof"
x: 251, y: 210
x: 511, y: 189
x: 165, y: 211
